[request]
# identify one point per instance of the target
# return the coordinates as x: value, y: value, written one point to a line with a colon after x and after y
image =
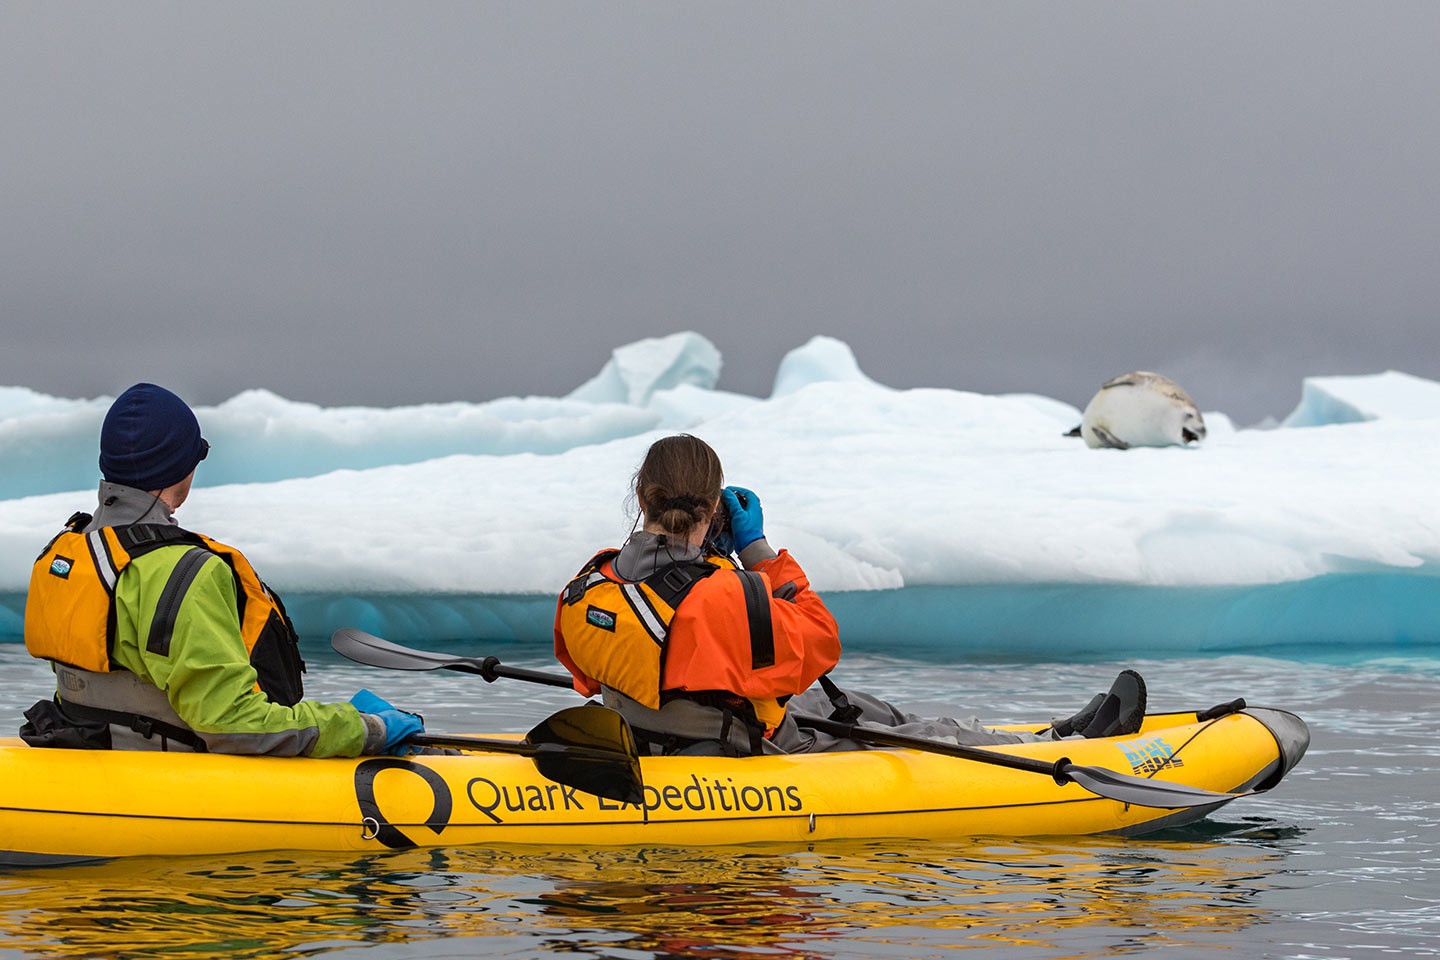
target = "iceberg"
x: 936, y: 522
x: 637, y: 371
x: 824, y: 360
x: 256, y: 436
x: 1391, y: 395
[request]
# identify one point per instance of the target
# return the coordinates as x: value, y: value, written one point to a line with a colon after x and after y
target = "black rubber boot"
x: 1081, y: 720
x: 1123, y: 709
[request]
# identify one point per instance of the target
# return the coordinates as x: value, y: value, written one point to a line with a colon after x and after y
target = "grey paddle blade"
x: 1144, y: 793
x: 373, y: 651
x: 1098, y: 780
x: 369, y: 649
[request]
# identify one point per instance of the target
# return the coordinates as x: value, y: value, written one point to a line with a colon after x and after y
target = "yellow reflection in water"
x: 1062, y: 898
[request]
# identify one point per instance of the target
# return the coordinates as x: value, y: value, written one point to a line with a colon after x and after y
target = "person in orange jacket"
x: 688, y: 645
x: 702, y: 654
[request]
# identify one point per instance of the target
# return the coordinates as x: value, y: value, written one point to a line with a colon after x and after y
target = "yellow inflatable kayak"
x: 58, y: 806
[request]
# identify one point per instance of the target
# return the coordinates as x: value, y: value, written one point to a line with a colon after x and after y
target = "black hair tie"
x: 688, y: 504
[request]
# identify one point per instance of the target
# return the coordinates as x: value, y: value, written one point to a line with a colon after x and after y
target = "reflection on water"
x: 1343, y: 861
x: 835, y: 900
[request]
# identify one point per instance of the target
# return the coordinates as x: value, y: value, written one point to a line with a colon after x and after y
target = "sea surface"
x: 1341, y: 860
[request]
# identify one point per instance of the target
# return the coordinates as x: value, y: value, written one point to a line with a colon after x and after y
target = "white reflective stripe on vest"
x: 648, y: 617
x: 103, y: 564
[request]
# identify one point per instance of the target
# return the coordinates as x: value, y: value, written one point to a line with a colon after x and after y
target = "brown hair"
x: 678, y: 482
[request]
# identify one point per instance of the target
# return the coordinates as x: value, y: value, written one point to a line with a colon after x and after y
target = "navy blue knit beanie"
x: 150, y: 439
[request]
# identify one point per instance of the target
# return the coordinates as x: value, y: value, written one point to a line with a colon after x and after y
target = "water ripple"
x: 1343, y: 860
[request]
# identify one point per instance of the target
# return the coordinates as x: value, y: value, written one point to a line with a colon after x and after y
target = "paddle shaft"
x: 1101, y: 781
x: 490, y: 668
x: 364, y: 648
x: 519, y: 747
x: 376, y: 651
x: 1052, y: 768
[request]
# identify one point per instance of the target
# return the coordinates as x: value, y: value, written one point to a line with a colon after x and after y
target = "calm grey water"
x: 1343, y: 860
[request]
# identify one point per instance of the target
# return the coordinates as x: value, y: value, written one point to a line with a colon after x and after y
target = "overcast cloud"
x: 390, y: 203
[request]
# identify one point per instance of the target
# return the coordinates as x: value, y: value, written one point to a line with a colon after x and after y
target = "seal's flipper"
x: 1108, y: 439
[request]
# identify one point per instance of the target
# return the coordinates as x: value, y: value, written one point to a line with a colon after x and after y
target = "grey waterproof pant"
x: 792, y: 737
x: 693, y: 721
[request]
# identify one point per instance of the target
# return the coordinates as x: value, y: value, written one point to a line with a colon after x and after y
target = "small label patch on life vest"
x: 61, y: 567
x: 603, y: 619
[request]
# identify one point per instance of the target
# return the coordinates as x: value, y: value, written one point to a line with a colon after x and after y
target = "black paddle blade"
x: 592, y: 749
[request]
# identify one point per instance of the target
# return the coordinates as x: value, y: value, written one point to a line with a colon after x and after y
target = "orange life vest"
x: 616, y: 633
x: 70, y: 610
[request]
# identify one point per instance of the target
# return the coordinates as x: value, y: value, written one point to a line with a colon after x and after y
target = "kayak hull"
x: 60, y: 806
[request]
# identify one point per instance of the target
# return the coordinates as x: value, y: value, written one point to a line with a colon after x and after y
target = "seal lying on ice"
x: 1140, y: 409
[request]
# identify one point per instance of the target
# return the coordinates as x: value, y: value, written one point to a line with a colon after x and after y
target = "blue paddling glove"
x: 399, y: 724
x: 747, y: 521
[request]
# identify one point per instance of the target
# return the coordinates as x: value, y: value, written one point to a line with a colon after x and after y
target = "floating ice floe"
x: 934, y: 520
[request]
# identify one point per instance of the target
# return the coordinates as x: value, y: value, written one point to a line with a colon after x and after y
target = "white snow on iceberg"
x: 49, y: 444
x: 636, y: 371
x: 936, y: 521
x: 1383, y: 396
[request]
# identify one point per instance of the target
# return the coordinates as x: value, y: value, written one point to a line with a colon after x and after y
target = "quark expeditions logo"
x: 500, y: 802
x: 1150, y: 755
x: 374, y: 826
x: 61, y: 567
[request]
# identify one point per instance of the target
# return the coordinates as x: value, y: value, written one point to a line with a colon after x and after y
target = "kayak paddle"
x: 371, y: 650
x: 1100, y: 781
x: 590, y: 748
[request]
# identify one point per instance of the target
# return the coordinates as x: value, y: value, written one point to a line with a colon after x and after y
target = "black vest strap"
x: 162, y: 627
x: 147, y: 727
x: 673, y: 581
x: 141, y: 538
x: 845, y: 711
x: 732, y: 708
x: 757, y: 612
x: 575, y: 589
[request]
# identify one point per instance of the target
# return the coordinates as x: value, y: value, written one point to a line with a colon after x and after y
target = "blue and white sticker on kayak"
x: 1149, y: 754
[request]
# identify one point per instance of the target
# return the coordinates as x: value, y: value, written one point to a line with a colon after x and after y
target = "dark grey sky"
x: 385, y: 203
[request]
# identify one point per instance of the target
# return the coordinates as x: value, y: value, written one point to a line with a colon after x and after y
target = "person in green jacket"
x: 163, y: 639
